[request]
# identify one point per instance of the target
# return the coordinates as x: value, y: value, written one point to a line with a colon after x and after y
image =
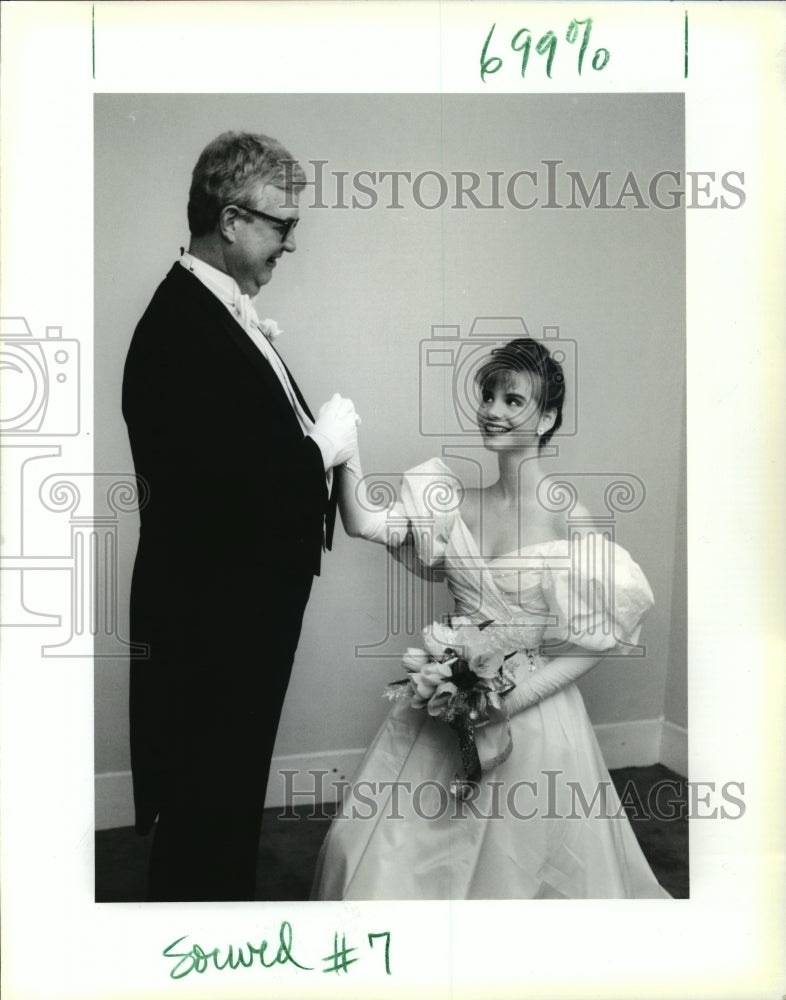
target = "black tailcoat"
x: 232, y: 517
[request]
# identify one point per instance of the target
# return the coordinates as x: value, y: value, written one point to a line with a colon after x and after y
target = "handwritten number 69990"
x: 546, y: 46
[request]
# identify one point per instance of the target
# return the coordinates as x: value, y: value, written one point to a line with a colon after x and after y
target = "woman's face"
x: 509, y: 412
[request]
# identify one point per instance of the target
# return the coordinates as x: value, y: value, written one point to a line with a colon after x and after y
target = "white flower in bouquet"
x: 415, y: 659
x: 460, y: 679
x: 441, y: 699
x: 437, y: 638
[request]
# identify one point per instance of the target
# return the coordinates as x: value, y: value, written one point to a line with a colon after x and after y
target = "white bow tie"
x: 245, y: 312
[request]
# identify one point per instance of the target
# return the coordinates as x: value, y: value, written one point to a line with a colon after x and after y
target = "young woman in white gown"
x: 546, y: 821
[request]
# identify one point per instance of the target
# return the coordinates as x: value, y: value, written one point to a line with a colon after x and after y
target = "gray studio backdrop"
x: 370, y: 282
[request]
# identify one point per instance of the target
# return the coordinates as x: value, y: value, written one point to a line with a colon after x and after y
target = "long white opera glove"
x: 361, y: 518
x: 555, y: 675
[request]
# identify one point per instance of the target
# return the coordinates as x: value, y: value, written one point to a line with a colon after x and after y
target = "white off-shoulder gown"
x: 547, y: 823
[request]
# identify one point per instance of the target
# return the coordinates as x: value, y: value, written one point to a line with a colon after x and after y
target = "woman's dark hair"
x: 525, y: 355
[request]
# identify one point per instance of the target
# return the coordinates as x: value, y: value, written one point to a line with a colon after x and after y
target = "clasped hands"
x: 335, y: 430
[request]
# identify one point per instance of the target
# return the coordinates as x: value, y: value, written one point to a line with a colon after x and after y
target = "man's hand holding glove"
x: 335, y: 431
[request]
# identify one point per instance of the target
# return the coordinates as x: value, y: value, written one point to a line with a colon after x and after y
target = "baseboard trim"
x: 318, y: 777
x: 674, y: 747
x: 295, y: 778
x: 630, y: 744
x: 305, y: 778
x: 114, y: 800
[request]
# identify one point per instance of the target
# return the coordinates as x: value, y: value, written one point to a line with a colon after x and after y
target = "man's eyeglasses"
x: 282, y: 226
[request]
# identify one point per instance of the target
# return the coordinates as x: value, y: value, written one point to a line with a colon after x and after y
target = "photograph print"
x: 399, y: 382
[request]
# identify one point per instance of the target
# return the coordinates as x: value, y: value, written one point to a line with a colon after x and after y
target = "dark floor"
x: 288, y: 848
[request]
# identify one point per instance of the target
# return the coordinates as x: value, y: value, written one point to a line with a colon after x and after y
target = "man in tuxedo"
x: 235, y: 477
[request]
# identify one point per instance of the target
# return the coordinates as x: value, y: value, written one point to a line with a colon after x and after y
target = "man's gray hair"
x: 229, y: 169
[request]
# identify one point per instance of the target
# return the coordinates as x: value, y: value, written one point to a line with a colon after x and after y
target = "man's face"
x: 259, y: 242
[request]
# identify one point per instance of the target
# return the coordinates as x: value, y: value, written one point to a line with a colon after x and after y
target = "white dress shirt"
x: 227, y: 291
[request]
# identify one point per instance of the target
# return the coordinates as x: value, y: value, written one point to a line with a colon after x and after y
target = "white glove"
x: 361, y: 517
x: 335, y: 430
x: 547, y: 680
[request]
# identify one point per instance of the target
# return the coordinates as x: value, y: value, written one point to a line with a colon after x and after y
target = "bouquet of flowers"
x: 461, y: 679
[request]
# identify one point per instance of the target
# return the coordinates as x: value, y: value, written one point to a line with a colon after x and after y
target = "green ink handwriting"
x: 546, y: 45
x: 193, y: 957
x: 685, y: 65
x: 196, y: 959
x: 386, y: 936
x: 340, y: 956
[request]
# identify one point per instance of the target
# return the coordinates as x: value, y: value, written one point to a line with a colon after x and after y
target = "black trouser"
x: 204, y: 856
x: 205, y: 711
